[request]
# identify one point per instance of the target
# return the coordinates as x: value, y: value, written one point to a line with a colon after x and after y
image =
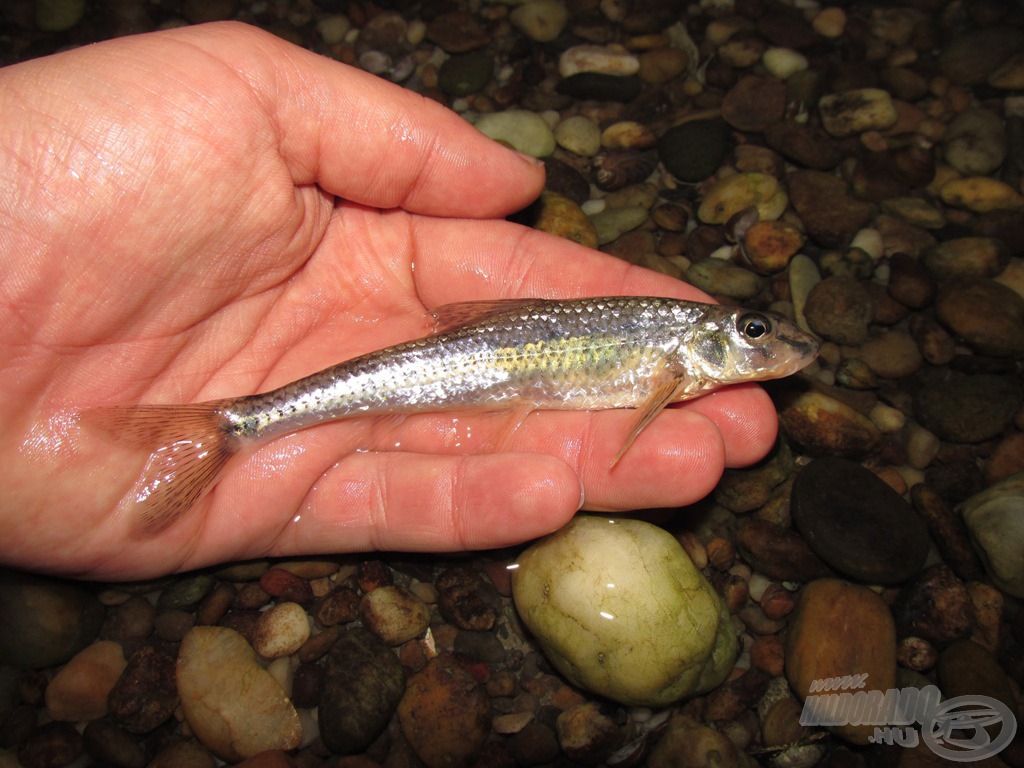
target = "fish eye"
x: 754, y: 325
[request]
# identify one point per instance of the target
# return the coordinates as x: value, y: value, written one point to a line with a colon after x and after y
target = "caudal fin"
x: 189, y: 447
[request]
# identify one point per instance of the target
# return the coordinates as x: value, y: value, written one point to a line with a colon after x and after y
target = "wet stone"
x: 281, y: 631
x: 339, y: 606
x: 825, y: 426
x: 145, y: 695
x: 986, y: 314
x: 857, y: 524
x: 540, y: 20
x: 586, y: 735
x: 558, y: 215
x: 79, y: 691
x: 457, y: 32
x: 744, y: 490
x: 754, y: 103
x: 935, y: 607
x: 187, y: 593
x: 975, y: 142
x: 803, y: 144
x: 693, y: 151
x: 967, y: 669
x: 722, y: 278
x: 779, y: 553
x: 564, y: 180
x: 445, y: 714
x: 839, y: 309
x: 971, y: 56
x: 130, y: 621
x: 465, y: 74
x: 909, y: 282
x: 362, y: 686
x: 828, y: 212
x: 285, y: 586
x: 462, y: 600
x: 394, y: 614
x: 968, y: 409
x: 893, y: 355
x: 110, y: 745
x: 535, y: 744
x: 45, y: 621
x: 995, y: 521
x: 966, y: 257
x: 51, y: 745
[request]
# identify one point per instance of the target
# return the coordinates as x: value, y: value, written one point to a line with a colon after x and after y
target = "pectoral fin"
x: 663, y: 394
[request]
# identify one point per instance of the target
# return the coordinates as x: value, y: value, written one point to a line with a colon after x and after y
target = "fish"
x: 510, y: 354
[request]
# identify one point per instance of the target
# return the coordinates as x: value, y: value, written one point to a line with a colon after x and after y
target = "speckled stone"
x: 968, y: 409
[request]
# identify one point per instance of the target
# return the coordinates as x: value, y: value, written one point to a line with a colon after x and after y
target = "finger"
x: 501, y: 259
x: 368, y: 140
x: 418, y: 502
x: 745, y: 417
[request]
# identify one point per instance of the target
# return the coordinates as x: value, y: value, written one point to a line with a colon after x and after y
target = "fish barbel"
x: 580, y: 354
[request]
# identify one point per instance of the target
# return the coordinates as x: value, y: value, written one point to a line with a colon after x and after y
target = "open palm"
x: 211, y: 212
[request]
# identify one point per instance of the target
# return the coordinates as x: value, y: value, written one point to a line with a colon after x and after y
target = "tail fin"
x: 189, y: 447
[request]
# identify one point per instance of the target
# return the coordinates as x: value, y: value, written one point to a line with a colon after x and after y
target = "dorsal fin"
x: 449, y: 316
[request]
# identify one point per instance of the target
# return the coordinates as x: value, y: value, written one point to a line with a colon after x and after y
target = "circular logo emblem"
x: 957, y: 729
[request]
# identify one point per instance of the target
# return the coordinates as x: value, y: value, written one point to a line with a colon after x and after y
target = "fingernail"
x: 532, y: 161
x: 583, y: 498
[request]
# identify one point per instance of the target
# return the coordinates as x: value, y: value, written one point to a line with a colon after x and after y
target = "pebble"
x: 857, y: 524
x: 783, y: 63
x: 130, y: 621
x: 967, y: 669
x: 694, y: 150
x: 1007, y: 458
x: 740, y: 191
x: 981, y: 194
x: 985, y: 314
x: 841, y: 629
x: 910, y: 283
x: 627, y: 134
x: 558, y: 215
x: 805, y: 145
x: 535, y: 744
x: 830, y: 215
x: 966, y: 257
x: 465, y: 600
x: 829, y: 22
x: 580, y: 135
x: 45, y: 621
x: 234, y: 707
x: 935, y: 606
x: 825, y: 426
x: 465, y: 74
x: 1009, y: 75
x: 769, y: 245
x: 50, y: 745
x: 600, y: 87
x: 186, y: 594
x: 647, y: 640
x: 112, y: 746
x: 662, y: 65
x: 754, y: 103
x: 540, y: 20
x: 893, y: 355
x: 362, y: 685
x: 183, y: 754
x: 995, y: 522
x: 281, y: 631
x: 612, y: 223
x: 58, y: 15
x: 975, y: 142
x: 971, y: 56
x: 586, y: 735
x: 722, y: 278
x: 967, y: 409
x: 146, y: 695
x: 394, y: 614
x: 840, y: 310
x: 687, y: 743
x: 445, y: 714
x: 744, y: 490
x: 79, y: 691
x: 522, y: 130
x: 856, y: 111
x: 597, y: 59
x: 456, y: 32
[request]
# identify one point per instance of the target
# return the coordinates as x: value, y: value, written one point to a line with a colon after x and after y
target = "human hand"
x: 210, y: 212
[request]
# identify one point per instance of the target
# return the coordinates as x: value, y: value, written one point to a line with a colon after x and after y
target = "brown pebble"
x: 373, y: 574
x: 285, y: 586
x: 250, y: 597
x: 768, y: 653
x: 754, y: 103
x: 989, y: 604
x: 729, y: 700
x: 1007, y: 458
x: 778, y: 553
x: 721, y: 554
x: 340, y: 606
x: 461, y: 602
x: 146, y: 694
x: 318, y: 645
x: 213, y: 607
x: 51, y: 745
x: 935, y: 607
x: 917, y: 654
x: 777, y: 602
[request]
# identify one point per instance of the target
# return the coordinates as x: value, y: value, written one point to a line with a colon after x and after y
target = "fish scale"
x: 580, y: 354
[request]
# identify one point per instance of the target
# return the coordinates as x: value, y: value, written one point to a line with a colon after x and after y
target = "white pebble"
x: 783, y: 63
x: 333, y: 29
x: 870, y: 241
x: 595, y: 205
x: 887, y: 419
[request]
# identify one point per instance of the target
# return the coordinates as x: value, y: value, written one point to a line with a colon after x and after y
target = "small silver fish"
x: 580, y: 354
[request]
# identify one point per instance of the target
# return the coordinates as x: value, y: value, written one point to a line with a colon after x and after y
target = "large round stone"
x: 620, y: 610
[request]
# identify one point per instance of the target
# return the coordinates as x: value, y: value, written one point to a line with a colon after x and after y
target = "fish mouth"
x: 804, y: 345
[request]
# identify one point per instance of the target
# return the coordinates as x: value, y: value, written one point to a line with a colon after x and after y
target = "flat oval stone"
x: 857, y: 524
x: 968, y: 409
